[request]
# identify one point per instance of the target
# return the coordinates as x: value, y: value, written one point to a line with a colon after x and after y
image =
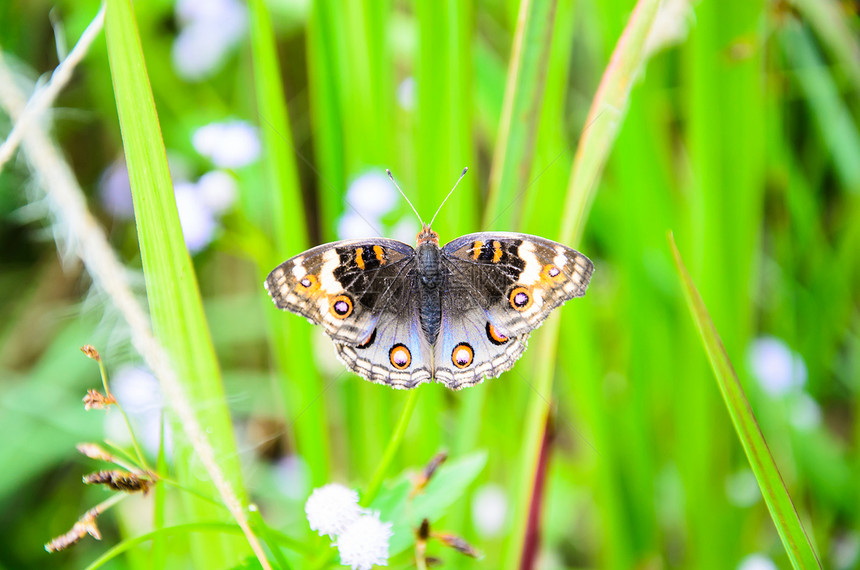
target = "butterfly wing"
x: 361, y: 292
x: 500, y: 287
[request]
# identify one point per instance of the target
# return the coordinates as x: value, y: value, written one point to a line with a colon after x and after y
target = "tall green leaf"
x: 174, y: 299
x: 794, y: 539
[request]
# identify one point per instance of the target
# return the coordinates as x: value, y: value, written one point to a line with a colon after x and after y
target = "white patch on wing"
x: 327, y: 281
x: 560, y: 260
x: 531, y: 272
x: 299, y: 268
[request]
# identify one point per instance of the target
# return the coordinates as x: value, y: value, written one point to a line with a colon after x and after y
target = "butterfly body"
x: 402, y: 316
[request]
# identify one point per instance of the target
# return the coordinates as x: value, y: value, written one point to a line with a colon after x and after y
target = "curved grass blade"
x: 289, y: 338
x: 604, y: 120
x: 175, y: 305
x: 788, y: 525
x: 521, y: 110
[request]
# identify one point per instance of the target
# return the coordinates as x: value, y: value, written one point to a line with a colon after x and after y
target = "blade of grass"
x: 785, y: 517
x: 174, y: 299
x: 515, y: 146
x: 290, y: 338
x: 604, y: 120
x: 835, y: 122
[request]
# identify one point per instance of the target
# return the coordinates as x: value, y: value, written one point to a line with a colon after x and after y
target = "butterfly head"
x: 426, y: 235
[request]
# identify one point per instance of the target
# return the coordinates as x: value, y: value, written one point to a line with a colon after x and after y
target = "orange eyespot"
x: 552, y: 272
x: 462, y: 355
x: 400, y: 356
x: 520, y: 298
x: 341, y: 307
x: 495, y: 336
x: 308, y: 284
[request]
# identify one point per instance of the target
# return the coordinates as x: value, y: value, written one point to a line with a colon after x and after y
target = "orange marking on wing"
x: 380, y: 254
x: 359, y: 260
x: 497, y: 251
x: 476, y: 249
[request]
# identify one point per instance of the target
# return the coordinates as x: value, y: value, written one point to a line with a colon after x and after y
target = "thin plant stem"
x: 393, y: 446
x: 140, y: 457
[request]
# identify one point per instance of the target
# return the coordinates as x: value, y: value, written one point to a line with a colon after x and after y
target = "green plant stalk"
x: 325, y: 51
x: 788, y: 525
x: 828, y: 20
x: 174, y: 300
x: 289, y: 337
x: 604, y: 120
x: 391, y: 450
x: 521, y: 110
x: 836, y: 124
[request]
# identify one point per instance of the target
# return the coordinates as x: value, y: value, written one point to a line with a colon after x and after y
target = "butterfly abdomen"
x: 429, y: 267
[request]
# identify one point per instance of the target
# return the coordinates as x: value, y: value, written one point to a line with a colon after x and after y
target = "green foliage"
x: 739, y: 134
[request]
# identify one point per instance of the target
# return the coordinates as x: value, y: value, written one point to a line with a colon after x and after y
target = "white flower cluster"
x: 361, y: 538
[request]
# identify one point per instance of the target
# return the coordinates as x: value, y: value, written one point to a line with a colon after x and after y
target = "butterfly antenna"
x: 465, y: 170
x: 404, y: 196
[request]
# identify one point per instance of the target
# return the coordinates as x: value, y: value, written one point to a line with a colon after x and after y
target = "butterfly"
x: 455, y: 314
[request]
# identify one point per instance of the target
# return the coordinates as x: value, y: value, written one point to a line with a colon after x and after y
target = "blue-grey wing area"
x: 362, y: 293
x: 499, y: 287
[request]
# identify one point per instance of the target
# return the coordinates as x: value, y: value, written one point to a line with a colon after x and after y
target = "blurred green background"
x: 741, y: 137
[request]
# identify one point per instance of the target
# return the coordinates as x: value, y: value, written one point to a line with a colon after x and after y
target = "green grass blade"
x: 290, y: 340
x: 514, y: 148
x: 174, y: 299
x: 788, y: 525
x: 604, y: 120
x: 835, y: 122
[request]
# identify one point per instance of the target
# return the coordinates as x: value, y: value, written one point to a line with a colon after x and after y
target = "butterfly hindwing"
x: 469, y: 348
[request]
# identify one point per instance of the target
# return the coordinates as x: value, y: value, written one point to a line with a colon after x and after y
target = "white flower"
x: 210, y: 29
x: 489, y: 507
x: 353, y: 226
x: 777, y: 368
x: 197, y: 222
x: 406, y: 94
x: 756, y: 562
x: 217, y: 191
x: 332, y: 508
x: 139, y: 394
x: 372, y: 194
x: 293, y: 476
x: 115, y: 191
x: 232, y: 144
x: 365, y: 542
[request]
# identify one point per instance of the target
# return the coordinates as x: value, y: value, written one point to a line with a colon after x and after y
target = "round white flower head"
x: 757, y: 562
x: 218, y: 191
x: 778, y: 369
x: 232, y: 144
x: 332, y: 508
x: 489, y: 507
x: 353, y: 226
x: 372, y: 194
x: 197, y: 222
x: 365, y: 542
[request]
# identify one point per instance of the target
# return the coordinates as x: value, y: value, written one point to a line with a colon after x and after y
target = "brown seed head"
x: 91, y: 352
x: 117, y: 480
x: 95, y: 400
